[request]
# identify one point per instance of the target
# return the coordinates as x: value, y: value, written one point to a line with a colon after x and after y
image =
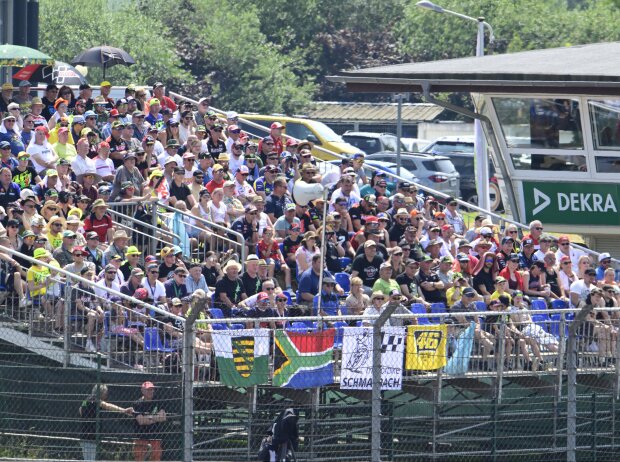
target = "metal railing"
x: 214, y: 238
x: 158, y: 237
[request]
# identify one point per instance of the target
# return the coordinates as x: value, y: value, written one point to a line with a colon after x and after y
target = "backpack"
x: 281, y: 441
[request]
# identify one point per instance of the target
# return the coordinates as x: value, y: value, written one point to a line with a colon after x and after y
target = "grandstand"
x: 160, y: 255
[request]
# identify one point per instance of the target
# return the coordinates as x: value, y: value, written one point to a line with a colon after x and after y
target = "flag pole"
x: 323, y: 247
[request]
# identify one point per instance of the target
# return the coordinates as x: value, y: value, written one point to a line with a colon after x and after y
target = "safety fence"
x: 478, y: 385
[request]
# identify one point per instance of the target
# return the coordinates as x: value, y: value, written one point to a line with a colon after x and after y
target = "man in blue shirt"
x: 309, y: 281
x: 329, y: 299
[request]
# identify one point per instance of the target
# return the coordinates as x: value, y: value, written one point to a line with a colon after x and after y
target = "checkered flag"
x: 390, y: 342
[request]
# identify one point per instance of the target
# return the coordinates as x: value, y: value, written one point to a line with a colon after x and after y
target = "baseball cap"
x: 469, y: 292
x: 262, y: 296
x: 148, y: 385
x: 604, y: 256
x: 507, y: 239
x: 370, y: 243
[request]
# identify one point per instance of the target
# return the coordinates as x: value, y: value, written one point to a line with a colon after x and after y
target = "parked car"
x: 435, y: 172
x: 388, y: 167
x: 303, y: 129
x: 371, y: 143
x: 414, y: 144
x: 460, y: 150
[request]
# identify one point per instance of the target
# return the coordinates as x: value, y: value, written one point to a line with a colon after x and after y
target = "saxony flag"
x: 303, y: 360
x: 242, y: 356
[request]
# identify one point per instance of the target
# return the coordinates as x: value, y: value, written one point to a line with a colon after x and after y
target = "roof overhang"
x: 583, y: 69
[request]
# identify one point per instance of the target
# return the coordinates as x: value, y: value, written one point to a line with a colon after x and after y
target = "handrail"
x: 350, y: 317
x: 78, y: 278
x: 462, y: 203
x: 142, y: 223
x: 214, y: 225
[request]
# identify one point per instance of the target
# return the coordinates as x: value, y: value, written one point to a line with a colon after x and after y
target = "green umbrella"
x: 18, y: 56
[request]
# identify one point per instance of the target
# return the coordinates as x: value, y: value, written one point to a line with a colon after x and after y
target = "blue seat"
x: 299, y: 326
x: 437, y: 308
x: 153, y: 343
x: 281, y: 245
x: 554, y: 325
x: 542, y: 320
x: 289, y: 300
x: 216, y: 313
x: 339, y: 326
x: 237, y: 326
x: 344, y: 281
x: 539, y: 304
x: 419, y: 308
x: 559, y: 304
x: 106, y: 327
x: 480, y: 305
x: 219, y: 326
x: 344, y: 262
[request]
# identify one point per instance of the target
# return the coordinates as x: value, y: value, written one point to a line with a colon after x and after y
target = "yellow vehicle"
x: 319, y: 134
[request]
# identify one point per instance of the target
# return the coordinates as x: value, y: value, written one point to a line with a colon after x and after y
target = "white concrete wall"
x: 432, y: 131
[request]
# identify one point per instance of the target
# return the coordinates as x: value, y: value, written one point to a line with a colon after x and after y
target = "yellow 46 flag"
x: 426, y: 347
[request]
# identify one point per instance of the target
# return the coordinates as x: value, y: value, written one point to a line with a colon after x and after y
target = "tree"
x: 67, y: 28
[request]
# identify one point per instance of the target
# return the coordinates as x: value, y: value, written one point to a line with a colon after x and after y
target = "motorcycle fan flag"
x: 303, y: 360
x: 357, y: 345
x: 242, y: 356
x: 426, y: 347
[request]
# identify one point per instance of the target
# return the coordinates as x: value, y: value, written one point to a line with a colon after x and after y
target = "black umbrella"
x: 103, y: 56
x: 60, y: 73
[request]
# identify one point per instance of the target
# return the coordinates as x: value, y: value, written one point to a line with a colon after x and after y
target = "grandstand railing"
x: 117, y: 330
x: 534, y: 346
x: 156, y: 238
x: 218, y: 240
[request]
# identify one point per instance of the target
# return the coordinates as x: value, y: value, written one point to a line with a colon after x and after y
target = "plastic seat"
x: 419, y: 308
x: 219, y: 326
x: 289, y: 300
x: 216, y: 313
x: 339, y: 326
x: 152, y: 341
x: 344, y: 262
x: 554, y: 325
x: 106, y: 327
x: 344, y: 281
x: 480, y: 305
x: 437, y: 308
x: 539, y: 304
x: 542, y: 320
x: 559, y: 304
x: 237, y: 326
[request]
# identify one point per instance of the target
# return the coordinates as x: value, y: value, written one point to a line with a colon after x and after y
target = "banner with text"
x: 357, y: 346
x: 426, y: 347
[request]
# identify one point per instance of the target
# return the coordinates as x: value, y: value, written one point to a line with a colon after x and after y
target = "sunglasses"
x: 379, y: 298
x: 281, y: 300
x: 270, y: 288
x: 182, y: 276
x: 154, y: 272
x: 540, y: 228
x: 110, y: 272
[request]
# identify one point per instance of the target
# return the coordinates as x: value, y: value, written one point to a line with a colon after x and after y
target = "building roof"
x: 592, y: 68
x: 372, y: 112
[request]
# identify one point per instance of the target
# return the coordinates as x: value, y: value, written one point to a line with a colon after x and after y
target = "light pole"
x: 481, y: 160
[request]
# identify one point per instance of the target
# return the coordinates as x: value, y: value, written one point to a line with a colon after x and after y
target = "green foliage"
x: 67, y: 28
x: 518, y: 25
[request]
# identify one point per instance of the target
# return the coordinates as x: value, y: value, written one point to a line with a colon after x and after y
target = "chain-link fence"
x: 471, y: 385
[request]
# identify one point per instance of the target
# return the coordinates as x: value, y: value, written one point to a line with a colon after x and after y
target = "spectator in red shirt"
x: 166, y: 102
x: 218, y: 179
x: 269, y: 250
x: 276, y: 134
x: 100, y: 222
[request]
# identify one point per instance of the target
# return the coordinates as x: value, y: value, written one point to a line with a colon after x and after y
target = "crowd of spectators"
x: 66, y: 157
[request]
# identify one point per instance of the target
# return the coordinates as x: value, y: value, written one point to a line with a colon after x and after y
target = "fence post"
x: 571, y: 365
x: 198, y: 305
x: 67, y: 332
x: 153, y: 242
x: 500, y: 358
x: 375, y: 438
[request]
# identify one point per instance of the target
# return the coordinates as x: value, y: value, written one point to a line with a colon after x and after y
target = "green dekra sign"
x: 572, y: 203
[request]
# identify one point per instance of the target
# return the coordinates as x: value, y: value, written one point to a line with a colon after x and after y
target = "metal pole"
x: 98, y: 407
x: 67, y: 332
x: 323, y: 247
x: 375, y: 437
x: 481, y: 160
x: 571, y: 384
x: 399, y: 130
x: 198, y: 305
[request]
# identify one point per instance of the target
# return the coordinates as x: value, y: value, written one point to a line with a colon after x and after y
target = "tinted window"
x: 443, y: 147
x: 444, y: 165
x: 409, y: 165
x: 368, y: 145
x: 547, y: 123
x: 390, y: 143
x: 296, y: 130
